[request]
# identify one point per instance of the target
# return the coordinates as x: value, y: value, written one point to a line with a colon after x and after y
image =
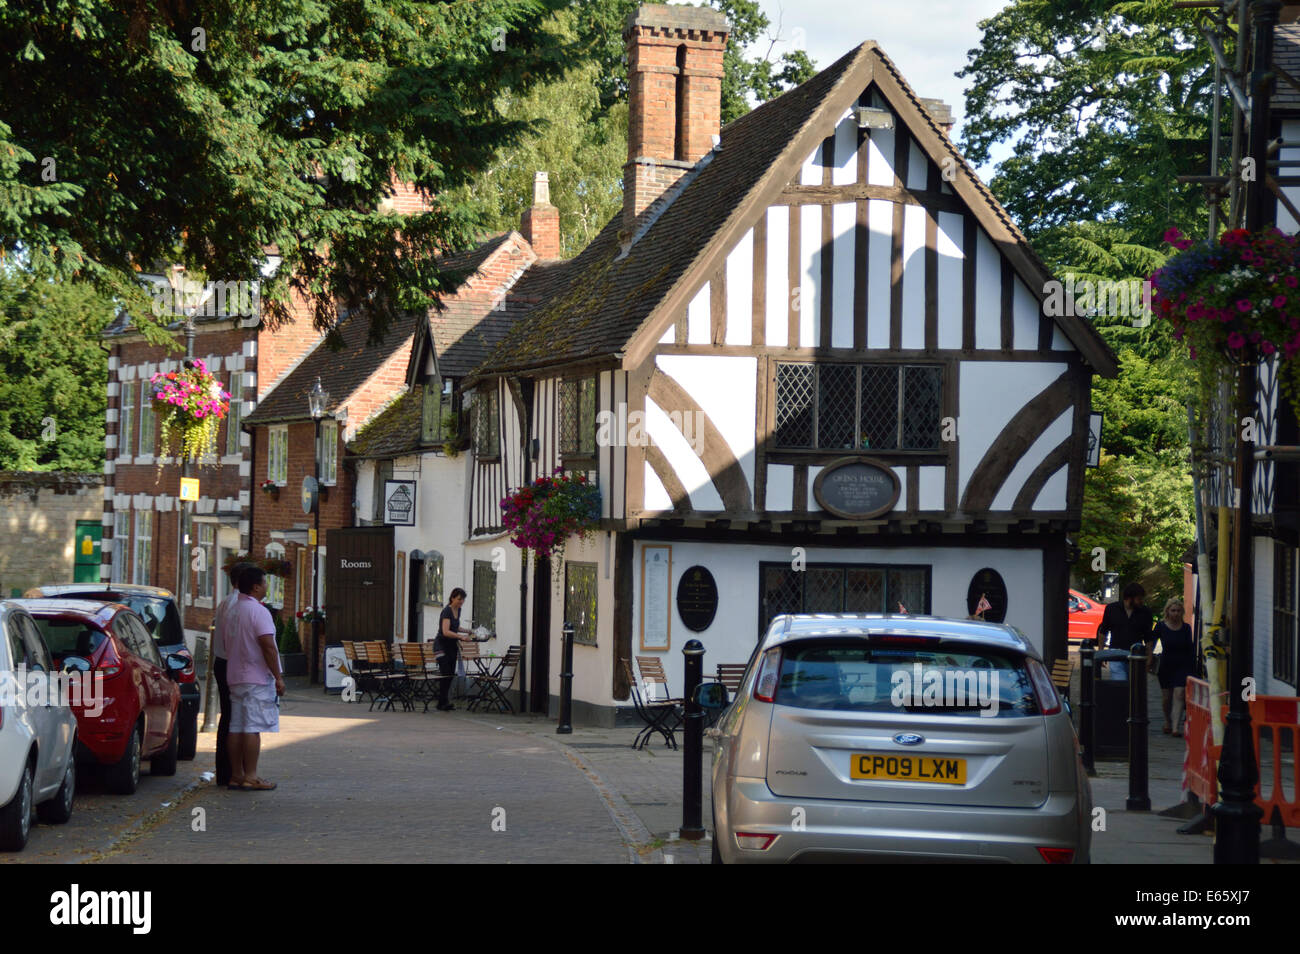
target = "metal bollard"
x: 1139, y: 800
x: 1087, y: 707
x: 693, y: 745
x: 566, y: 681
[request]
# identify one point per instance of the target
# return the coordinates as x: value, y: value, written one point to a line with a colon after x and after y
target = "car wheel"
x: 164, y: 763
x: 123, y: 777
x: 189, y: 736
x: 58, y: 809
x: 16, y: 817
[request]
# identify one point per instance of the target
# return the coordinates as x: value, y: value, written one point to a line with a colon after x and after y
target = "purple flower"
x: 1243, y: 305
x: 1279, y: 301
x: 1236, y: 340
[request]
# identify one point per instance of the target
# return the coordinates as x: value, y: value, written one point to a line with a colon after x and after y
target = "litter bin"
x: 1110, y: 712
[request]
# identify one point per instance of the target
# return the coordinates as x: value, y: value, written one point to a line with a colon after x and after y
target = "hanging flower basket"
x: 1242, y: 290
x: 190, y: 405
x: 543, y: 515
x: 271, y: 489
x: 309, y: 615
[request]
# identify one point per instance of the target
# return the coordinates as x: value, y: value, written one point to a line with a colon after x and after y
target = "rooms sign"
x: 856, y: 489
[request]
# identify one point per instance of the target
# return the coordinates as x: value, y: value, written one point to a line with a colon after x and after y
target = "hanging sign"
x: 189, y: 488
x: 697, y: 598
x: 399, y: 503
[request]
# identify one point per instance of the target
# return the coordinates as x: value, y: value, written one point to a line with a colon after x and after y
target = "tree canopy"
x: 207, y: 132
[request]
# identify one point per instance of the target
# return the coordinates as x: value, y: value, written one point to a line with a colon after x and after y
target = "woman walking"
x: 1177, y: 662
x: 450, y: 636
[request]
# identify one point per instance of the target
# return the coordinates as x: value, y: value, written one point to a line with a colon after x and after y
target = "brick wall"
x: 38, y: 522
x: 279, y: 351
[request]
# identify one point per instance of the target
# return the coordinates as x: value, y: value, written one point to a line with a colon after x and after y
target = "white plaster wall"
x: 843, y: 222
x: 949, y: 244
x: 1054, y: 433
x: 1025, y: 311
x: 810, y: 275
x: 777, y: 330
x: 724, y: 388
x: 988, y: 293
x: 682, y: 458
x: 913, y: 277
x: 931, y: 488
x: 845, y: 169
x: 740, y: 291
x: 880, y: 221
x: 991, y: 392
x: 734, y: 631
x: 698, y: 317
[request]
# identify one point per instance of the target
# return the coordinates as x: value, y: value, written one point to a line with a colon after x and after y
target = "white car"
x: 37, y: 733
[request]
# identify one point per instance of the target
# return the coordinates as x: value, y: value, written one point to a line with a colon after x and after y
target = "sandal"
x: 259, y: 785
x: 238, y: 787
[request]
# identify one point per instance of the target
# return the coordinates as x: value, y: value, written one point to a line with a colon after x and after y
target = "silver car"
x: 38, y: 732
x: 897, y: 738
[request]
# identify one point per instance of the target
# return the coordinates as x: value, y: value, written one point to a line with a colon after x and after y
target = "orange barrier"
x: 1201, y: 756
x: 1278, y: 714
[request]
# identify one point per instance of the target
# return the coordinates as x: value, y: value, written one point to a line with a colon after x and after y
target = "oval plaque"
x: 310, y: 494
x: 989, y: 584
x: 697, y: 598
x: 856, y: 489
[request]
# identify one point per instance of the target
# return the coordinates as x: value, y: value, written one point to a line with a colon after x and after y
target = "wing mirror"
x: 711, y: 695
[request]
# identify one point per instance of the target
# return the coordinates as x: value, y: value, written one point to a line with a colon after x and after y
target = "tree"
x: 208, y: 131
x: 53, y: 373
x: 582, y: 117
x: 1106, y: 104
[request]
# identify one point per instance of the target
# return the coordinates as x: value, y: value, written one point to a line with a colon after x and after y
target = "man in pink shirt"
x: 253, y: 672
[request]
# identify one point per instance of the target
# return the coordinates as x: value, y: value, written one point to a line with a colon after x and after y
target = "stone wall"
x: 38, y: 524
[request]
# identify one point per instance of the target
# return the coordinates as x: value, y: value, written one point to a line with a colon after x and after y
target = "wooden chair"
x: 393, y: 683
x: 423, y: 685
x: 652, y: 671
x: 358, y: 669
x: 491, y: 686
x: 730, y: 675
x: 662, y: 716
x: 1061, y: 677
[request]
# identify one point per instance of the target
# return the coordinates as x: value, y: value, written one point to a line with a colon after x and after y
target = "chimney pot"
x: 540, y: 223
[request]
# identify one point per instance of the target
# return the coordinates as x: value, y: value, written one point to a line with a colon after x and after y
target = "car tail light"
x: 187, y: 674
x: 769, y: 676
x: 109, y: 663
x: 1049, y: 703
x: 1057, y: 856
x: 758, y: 841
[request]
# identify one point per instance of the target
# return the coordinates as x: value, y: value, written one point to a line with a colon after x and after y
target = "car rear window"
x: 70, y: 636
x: 936, y: 679
x: 159, y: 615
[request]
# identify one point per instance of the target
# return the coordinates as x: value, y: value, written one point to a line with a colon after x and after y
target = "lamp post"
x: 317, y: 398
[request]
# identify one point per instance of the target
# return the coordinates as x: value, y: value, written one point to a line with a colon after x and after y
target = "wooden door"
x: 539, y: 673
x: 359, y: 583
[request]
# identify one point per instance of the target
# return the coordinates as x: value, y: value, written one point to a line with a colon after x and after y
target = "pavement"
x: 461, y: 787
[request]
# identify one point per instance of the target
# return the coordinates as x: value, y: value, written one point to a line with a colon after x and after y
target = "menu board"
x: 656, y: 589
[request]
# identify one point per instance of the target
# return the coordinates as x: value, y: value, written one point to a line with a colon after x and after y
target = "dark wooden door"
x: 359, y: 584
x: 539, y: 694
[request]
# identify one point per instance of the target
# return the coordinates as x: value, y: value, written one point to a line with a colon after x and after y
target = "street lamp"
x: 317, y: 398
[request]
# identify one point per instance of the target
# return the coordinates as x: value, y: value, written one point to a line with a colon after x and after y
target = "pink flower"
x: 1289, y: 280
x: 1267, y: 347
x: 1279, y: 301
x: 1236, y: 340
x: 1243, y: 305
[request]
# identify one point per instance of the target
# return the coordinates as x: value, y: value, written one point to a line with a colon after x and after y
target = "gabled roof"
x: 395, y: 431
x: 603, y: 305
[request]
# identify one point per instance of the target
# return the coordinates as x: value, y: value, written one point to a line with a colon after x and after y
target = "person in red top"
x: 253, y: 672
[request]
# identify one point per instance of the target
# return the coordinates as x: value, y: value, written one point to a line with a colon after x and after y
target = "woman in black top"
x: 1177, y: 662
x: 448, y: 643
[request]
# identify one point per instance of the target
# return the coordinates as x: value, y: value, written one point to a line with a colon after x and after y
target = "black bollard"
x: 1087, y: 708
x: 693, y: 745
x: 1138, y: 798
x: 566, y: 681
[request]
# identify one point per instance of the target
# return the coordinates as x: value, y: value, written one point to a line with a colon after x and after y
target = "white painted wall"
x: 725, y: 388
x: 734, y: 632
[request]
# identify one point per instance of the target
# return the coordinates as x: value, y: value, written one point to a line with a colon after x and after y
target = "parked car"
x: 37, y: 767
x: 141, y: 699
x: 1085, y: 616
x: 157, y: 608
x: 822, y: 758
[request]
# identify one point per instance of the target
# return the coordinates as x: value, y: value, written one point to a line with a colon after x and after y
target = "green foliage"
x: 205, y: 132
x: 1106, y: 104
x: 582, y: 117
x: 286, y: 634
x: 53, y: 373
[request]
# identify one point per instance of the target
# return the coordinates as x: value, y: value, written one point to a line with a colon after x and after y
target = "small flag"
x: 984, y: 604
x: 902, y: 608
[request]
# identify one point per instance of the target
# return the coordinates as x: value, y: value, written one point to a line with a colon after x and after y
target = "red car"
x: 134, y: 715
x: 1085, y: 616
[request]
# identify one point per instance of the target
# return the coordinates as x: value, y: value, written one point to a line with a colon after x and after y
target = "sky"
x: 927, y: 39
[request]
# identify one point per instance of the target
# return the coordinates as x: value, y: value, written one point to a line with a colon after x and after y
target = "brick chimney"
x: 940, y: 112
x: 674, y: 68
x: 540, y: 223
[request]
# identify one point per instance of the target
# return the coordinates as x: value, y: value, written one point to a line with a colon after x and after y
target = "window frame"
x: 484, y: 579
x: 487, y: 406
x: 941, y: 449
x: 329, y: 452
x: 126, y: 434
x: 121, y: 546
x: 584, y: 630
x: 147, y: 434
x: 587, y: 388
x: 142, y: 548
x: 804, y: 574
x: 274, y: 582
x: 235, y: 416
x: 204, y: 579
x: 277, y: 457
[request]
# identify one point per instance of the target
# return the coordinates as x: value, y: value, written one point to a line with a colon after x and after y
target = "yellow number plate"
x: 907, y: 768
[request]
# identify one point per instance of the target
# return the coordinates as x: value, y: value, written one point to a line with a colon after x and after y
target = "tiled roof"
x: 596, y: 302
x: 341, y: 372
x: 1286, y: 54
x: 395, y: 431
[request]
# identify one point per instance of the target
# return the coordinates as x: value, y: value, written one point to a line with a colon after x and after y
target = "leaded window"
x: 867, y: 407
x: 485, y: 595
x: 487, y: 433
x: 842, y: 588
x: 578, y: 417
x: 580, y: 600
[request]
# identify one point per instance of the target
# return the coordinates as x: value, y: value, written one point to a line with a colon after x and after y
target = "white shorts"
x: 253, y: 708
